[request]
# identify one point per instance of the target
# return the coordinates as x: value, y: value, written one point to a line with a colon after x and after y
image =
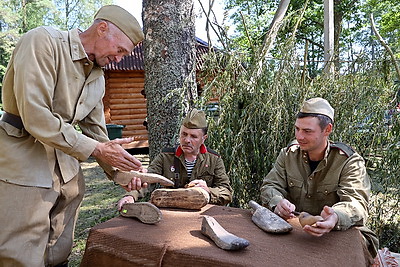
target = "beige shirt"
x: 340, y: 181
x: 52, y: 85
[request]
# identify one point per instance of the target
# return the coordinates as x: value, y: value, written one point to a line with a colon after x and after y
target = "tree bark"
x: 169, y: 56
x: 337, y: 20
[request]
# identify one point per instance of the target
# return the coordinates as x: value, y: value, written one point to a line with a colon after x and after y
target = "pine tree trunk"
x: 169, y: 52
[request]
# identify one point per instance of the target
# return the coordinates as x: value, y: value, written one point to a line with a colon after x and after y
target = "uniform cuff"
x: 274, y: 201
x: 343, y: 222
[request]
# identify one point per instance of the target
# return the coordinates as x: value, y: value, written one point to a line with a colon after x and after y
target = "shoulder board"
x: 168, y: 150
x: 209, y: 150
x: 346, y: 149
x: 292, y: 145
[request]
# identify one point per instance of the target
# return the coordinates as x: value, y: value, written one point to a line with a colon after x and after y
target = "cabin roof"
x: 135, y: 60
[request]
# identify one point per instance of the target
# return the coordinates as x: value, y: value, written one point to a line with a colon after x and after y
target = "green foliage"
x: 387, y: 16
x: 352, y: 26
x: 78, y: 13
x: 257, y: 113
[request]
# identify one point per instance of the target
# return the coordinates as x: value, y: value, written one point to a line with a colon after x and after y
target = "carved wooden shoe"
x: 144, y: 211
x: 307, y: 219
x: 222, y: 238
x: 267, y: 220
x: 123, y: 178
x: 185, y: 198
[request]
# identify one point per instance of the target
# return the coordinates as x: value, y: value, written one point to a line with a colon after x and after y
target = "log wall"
x: 125, y: 104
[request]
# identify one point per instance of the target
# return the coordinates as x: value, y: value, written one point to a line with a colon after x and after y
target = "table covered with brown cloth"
x: 177, y: 241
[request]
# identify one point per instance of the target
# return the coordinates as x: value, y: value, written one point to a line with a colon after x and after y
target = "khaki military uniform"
x: 209, y: 167
x: 52, y: 86
x: 339, y: 181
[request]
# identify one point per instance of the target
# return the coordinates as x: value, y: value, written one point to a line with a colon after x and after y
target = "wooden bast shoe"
x: 124, y: 178
x: 222, y: 238
x: 185, y: 198
x: 144, y: 211
x: 267, y: 220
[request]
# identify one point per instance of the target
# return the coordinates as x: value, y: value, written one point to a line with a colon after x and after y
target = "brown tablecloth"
x: 177, y: 241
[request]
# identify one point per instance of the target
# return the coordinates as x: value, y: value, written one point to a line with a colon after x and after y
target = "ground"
x: 99, y: 204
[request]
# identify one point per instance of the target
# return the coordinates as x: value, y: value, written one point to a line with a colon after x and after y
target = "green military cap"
x: 318, y: 105
x: 124, y: 20
x: 195, y: 119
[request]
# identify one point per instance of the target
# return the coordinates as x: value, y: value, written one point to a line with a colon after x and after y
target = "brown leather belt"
x: 12, y: 119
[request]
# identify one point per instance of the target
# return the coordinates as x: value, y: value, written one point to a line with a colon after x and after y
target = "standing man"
x: 320, y: 177
x: 191, y: 163
x: 54, y: 82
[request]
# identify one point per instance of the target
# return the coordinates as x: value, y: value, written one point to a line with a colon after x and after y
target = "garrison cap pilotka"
x: 124, y: 20
x: 195, y: 119
x: 318, y: 105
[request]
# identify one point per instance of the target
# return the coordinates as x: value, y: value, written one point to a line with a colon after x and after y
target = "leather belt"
x: 12, y: 119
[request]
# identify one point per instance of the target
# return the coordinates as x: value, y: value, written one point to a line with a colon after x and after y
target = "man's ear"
x: 102, y: 28
x: 328, y: 129
x: 205, y: 137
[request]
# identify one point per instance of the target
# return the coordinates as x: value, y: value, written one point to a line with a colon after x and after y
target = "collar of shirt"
x: 324, y: 160
x: 77, y: 49
x: 179, y: 150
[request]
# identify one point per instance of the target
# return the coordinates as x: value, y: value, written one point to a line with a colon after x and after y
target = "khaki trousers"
x: 37, y: 224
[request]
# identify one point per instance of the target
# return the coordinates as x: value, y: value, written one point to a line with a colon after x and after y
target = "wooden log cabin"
x: 125, y: 100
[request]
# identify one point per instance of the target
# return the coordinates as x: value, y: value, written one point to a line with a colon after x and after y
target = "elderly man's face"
x: 309, y: 134
x: 191, y: 140
x: 112, y: 44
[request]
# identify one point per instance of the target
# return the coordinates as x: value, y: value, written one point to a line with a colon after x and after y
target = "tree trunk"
x: 337, y: 21
x: 169, y: 53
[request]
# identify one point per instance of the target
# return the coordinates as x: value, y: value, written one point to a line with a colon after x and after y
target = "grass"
x: 99, y: 204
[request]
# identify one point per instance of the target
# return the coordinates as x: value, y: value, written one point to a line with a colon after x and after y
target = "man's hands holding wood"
x: 285, y: 210
x: 114, y: 154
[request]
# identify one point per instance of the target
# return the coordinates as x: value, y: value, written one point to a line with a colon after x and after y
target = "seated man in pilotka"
x: 191, y: 163
x: 320, y: 177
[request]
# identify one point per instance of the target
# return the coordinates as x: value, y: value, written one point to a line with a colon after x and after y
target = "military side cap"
x: 195, y: 119
x: 318, y: 105
x: 124, y: 20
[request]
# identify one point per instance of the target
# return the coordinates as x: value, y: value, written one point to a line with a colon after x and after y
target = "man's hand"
x: 124, y: 200
x: 199, y: 183
x: 325, y: 226
x: 134, y: 184
x: 284, y: 209
x: 113, y: 154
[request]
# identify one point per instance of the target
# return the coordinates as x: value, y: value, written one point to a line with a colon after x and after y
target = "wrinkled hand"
x: 284, y: 209
x: 124, y: 200
x: 199, y: 183
x: 113, y: 154
x: 321, y: 228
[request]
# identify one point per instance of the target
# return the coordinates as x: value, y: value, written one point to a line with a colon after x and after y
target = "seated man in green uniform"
x: 191, y: 163
x: 320, y: 177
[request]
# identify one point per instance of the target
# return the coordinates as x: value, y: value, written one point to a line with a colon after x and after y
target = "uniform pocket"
x: 327, y: 193
x: 295, y: 188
